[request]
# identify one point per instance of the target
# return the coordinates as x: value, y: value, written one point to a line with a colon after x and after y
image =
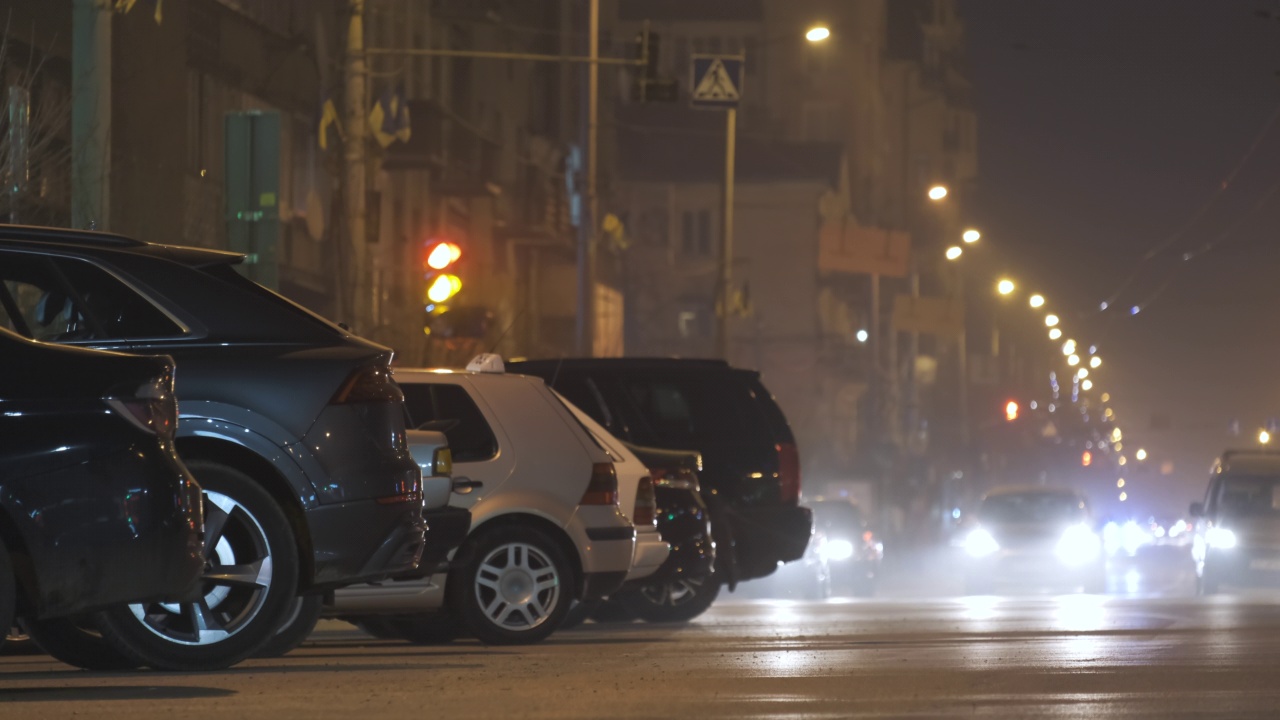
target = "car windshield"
x: 1249, y: 495
x: 1032, y: 508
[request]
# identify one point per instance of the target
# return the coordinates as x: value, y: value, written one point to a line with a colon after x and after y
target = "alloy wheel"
x: 517, y: 586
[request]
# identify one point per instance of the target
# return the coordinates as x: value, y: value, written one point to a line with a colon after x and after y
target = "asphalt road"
x: 1135, y: 654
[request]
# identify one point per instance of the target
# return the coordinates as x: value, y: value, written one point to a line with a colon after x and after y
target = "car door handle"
x: 466, y: 486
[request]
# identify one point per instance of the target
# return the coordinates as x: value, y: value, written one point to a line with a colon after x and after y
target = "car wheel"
x: 303, y: 615
x: 77, y: 642
x: 8, y: 590
x: 249, y: 584
x: 513, y: 588
x: 679, y: 600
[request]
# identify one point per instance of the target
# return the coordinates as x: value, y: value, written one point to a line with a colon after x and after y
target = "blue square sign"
x: 716, y: 81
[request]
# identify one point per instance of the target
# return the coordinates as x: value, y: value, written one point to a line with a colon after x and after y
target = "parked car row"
x: 200, y: 469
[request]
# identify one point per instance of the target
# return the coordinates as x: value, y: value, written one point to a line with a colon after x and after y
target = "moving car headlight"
x: 838, y: 550
x: 1220, y: 538
x: 980, y: 543
x: 1079, y: 545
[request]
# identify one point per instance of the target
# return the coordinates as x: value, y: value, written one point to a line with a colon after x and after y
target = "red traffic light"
x: 441, y: 254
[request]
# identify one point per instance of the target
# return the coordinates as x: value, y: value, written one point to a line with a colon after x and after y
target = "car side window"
x: 448, y: 408
x: 69, y: 300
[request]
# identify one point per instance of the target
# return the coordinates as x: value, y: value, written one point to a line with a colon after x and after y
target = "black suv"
x: 751, y: 467
x: 95, y: 507
x: 293, y: 427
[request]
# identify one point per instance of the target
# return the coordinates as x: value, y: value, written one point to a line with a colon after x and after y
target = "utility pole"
x: 90, y: 114
x: 360, y: 301
x: 723, y: 344
x: 586, y: 326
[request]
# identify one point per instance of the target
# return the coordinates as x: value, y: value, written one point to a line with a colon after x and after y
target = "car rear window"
x: 448, y: 408
x: 70, y: 299
x: 710, y: 412
x: 764, y: 400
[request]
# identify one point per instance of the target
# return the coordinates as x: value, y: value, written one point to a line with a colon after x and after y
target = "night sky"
x: 1107, y: 129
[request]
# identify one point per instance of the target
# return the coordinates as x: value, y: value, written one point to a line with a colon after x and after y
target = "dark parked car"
x: 751, y: 466
x: 1237, y: 526
x: 96, y: 509
x: 293, y: 427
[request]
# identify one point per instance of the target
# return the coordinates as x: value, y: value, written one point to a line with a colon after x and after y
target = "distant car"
x: 751, y: 470
x: 96, y: 509
x: 1237, y: 525
x: 851, y: 549
x: 546, y: 524
x: 292, y: 426
x: 1034, y: 537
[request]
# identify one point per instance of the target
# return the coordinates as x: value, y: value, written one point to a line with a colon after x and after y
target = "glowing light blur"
x: 1141, y: 454
x: 837, y: 550
x: 971, y: 236
x: 1073, y: 360
x: 1054, y: 334
x: 862, y: 336
x: 980, y: 544
x: 1087, y: 385
x: 954, y: 252
x: 1050, y: 320
x: 937, y: 192
x: 817, y: 34
x: 1036, y: 300
x: 1005, y: 287
x: 1220, y: 538
x: 1078, y: 545
x: 1095, y: 362
x: 1264, y: 437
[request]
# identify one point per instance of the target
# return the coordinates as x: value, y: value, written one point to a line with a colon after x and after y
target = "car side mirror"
x: 1197, y: 509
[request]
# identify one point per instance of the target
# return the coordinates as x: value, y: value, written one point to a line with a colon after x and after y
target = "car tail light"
x: 370, y: 384
x: 151, y: 406
x: 646, y: 511
x: 789, y: 471
x: 603, y: 488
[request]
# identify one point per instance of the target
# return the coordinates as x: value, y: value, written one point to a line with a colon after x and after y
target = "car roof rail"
x: 66, y: 235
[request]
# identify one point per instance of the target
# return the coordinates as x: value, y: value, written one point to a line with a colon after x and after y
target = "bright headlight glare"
x: 980, y: 543
x: 838, y: 550
x: 1079, y: 545
x: 1220, y: 538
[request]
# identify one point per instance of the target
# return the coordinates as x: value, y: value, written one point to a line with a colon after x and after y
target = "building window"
x: 704, y: 232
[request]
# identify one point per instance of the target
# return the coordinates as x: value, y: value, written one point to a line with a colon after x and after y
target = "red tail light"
x: 789, y: 471
x: 369, y: 384
x: 603, y: 488
x: 646, y: 511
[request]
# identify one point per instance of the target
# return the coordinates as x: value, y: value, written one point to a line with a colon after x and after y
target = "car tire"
x: 673, y: 601
x: 8, y: 591
x: 77, y: 642
x: 249, y: 585
x: 513, y: 587
x: 304, y: 613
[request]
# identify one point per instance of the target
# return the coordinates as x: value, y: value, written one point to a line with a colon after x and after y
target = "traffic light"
x: 1011, y: 411
x: 439, y: 260
x: 648, y: 85
x: 1086, y: 458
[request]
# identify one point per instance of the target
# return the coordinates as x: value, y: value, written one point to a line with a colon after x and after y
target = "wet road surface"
x: 1130, y: 655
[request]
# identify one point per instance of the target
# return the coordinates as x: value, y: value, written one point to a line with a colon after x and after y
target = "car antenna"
x: 510, y: 325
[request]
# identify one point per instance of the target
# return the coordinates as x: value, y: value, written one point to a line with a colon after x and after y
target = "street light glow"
x: 1069, y: 347
x: 1049, y: 320
x: 971, y: 235
x: 1094, y: 362
x: 1054, y: 334
x: 1124, y: 496
x: 1264, y: 437
x: 1005, y: 287
x: 1106, y: 397
x: 1037, y: 300
x: 954, y: 252
x: 1073, y: 360
x: 862, y: 336
x: 1141, y: 454
x: 937, y: 192
x: 1082, y: 373
x: 817, y: 33
x: 1087, y: 385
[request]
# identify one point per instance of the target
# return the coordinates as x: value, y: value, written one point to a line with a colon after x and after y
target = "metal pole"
x: 723, y: 344
x: 353, y: 188
x: 877, y: 389
x: 587, y: 223
x: 963, y: 360
x: 90, y: 114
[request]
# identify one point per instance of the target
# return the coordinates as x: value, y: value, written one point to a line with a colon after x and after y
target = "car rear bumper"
x: 765, y: 536
x: 650, y: 552
x: 447, y: 527
x: 125, y: 527
x: 684, y: 523
x: 365, y: 541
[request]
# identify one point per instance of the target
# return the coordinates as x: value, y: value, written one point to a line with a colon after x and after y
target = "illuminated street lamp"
x: 1124, y: 496
x: 1120, y: 483
x: 1264, y: 437
x: 1082, y: 373
x: 1073, y: 360
x: 1087, y: 385
x: 1094, y: 362
x: 971, y: 235
x: 1037, y: 300
x: 1005, y: 287
x: 1142, y: 454
x: 1069, y: 347
x: 1054, y: 334
x: 1050, y: 320
x: 817, y: 33
x: 954, y: 252
x: 937, y: 192
x: 862, y: 336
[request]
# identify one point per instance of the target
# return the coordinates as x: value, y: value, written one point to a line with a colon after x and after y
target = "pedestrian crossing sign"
x: 716, y: 81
